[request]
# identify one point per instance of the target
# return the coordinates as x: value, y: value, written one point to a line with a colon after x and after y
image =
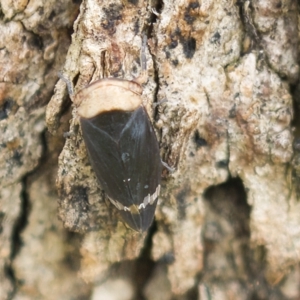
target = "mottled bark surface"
x: 224, y: 75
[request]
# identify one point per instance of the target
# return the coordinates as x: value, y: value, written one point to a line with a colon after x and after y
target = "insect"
x: 122, y: 147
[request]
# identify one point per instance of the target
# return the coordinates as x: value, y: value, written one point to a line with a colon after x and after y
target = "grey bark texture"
x: 224, y: 76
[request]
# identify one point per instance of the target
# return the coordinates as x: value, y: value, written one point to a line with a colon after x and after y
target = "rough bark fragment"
x: 46, y: 261
x: 277, y: 24
x: 263, y: 128
x: 33, y: 42
x: 193, y: 120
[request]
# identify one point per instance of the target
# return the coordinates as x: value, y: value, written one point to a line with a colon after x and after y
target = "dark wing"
x: 124, y: 154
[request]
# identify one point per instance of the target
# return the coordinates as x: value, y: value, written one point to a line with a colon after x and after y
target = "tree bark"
x: 223, y: 77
